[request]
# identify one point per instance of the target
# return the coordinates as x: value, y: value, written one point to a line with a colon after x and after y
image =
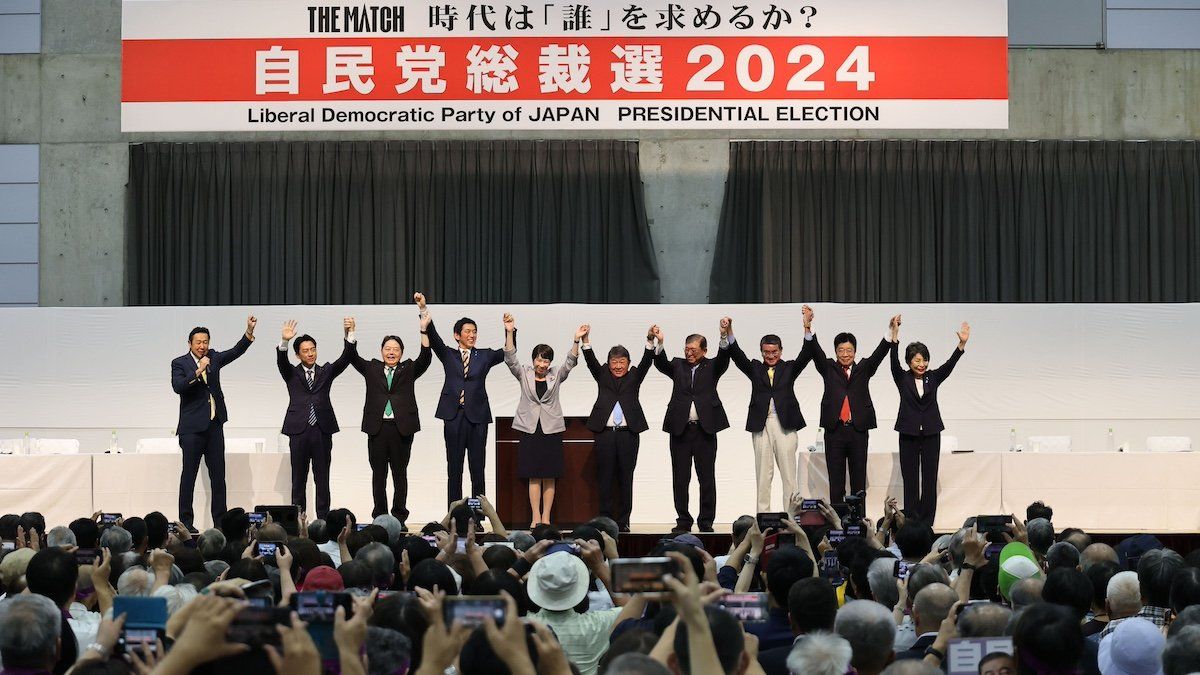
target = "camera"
x: 856, y: 508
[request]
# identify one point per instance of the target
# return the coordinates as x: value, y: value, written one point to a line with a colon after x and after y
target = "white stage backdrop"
x: 1073, y: 370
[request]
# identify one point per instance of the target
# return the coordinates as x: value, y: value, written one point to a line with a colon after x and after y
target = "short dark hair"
x: 335, y: 521
x: 478, y: 658
x: 812, y: 605
x: 391, y: 337
x: 1070, y: 588
x: 843, y: 338
x: 727, y: 636
x: 138, y: 532
x: 499, y: 557
x: 696, y: 337
x: 915, y: 348
x: 8, y: 525
x: 356, y: 574
x: 618, y: 352
x: 157, y: 529
x: 992, y: 656
x: 53, y: 572
x: 32, y: 520
x: 234, y: 524
x: 1099, y: 574
x: 914, y: 539
x: 196, y: 331
x: 458, y: 325
x: 301, y: 340
x: 87, y: 532
x: 248, y: 569
x: 357, y: 540
x: 429, y: 573
x: 1062, y: 554
x: 741, y: 526
x: 543, y: 352
x: 785, y: 567
x: 1050, y: 634
x: 545, y: 531
x: 1155, y: 571
x: 492, y: 581
x: 1185, y: 589
x: 770, y: 339
x: 1039, y: 510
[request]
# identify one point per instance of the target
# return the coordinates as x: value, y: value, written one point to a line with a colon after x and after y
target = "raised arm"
x: 643, y: 366
x: 430, y: 333
x: 281, y: 357
x: 876, y: 358
x: 729, y: 344
x: 589, y: 358
x: 819, y: 360
x: 661, y: 362
x: 510, y: 346
x: 349, y: 351
x: 230, y: 355
x: 897, y: 371
x: 964, y: 333
x: 573, y: 356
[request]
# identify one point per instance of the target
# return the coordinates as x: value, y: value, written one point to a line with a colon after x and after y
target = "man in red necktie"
x: 847, y: 413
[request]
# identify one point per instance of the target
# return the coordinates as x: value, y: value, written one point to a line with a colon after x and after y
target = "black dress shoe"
x: 623, y: 528
x: 680, y: 529
x: 403, y: 526
x: 706, y: 528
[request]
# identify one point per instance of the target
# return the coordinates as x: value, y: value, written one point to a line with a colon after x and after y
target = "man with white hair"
x: 30, y: 633
x: 820, y: 654
x: 1123, y: 600
x: 871, y: 631
x: 60, y: 537
x: 882, y: 580
x: 136, y: 582
x: 117, y: 540
x: 392, y: 524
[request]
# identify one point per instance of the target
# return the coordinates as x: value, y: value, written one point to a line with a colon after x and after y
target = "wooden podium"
x: 576, y: 499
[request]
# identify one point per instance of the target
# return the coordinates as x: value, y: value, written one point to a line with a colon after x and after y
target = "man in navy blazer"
x: 463, y: 404
x: 847, y: 411
x: 196, y: 377
x: 694, y: 417
x: 310, y: 422
x: 773, y: 418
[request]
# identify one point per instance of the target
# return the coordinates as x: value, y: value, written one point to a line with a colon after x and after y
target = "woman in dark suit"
x: 919, y: 421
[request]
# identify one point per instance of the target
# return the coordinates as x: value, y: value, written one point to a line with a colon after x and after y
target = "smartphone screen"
x: 359, y: 527
x: 770, y: 520
x: 831, y: 567
x: 320, y: 606
x: 140, y: 640
x: 746, y: 607
x: 641, y: 575
x: 900, y: 570
x: 835, y: 537
x: 992, y: 524
x: 86, y: 556
x: 109, y: 519
x: 474, y: 503
x: 430, y: 539
x: 258, y: 626
x: 472, y: 610
x: 506, y: 544
x: 461, y: 546
x: 257, y: 518
x: 266, y: 550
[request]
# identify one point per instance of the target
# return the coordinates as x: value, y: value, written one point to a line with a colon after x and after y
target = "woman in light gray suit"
x: 539, y: 418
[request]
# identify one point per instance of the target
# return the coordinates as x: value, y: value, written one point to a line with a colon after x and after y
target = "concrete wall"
x: 67, y: 100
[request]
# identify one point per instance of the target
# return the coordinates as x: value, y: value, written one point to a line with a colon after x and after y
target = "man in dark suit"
x: 774, y: 414
x: 196, y: 377
x: 310, y: 422
x: 847, y: 412
x: 390, y: 417
x: 617, y: 420
x: 930, y: 607
x: 694, y: 416
x: 463, y: 405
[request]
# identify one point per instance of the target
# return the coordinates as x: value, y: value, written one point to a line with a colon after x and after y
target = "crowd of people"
x: 889, y: 598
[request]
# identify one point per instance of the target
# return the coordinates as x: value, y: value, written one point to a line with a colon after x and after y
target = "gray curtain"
x: 960, y: 221
x: 370, y: 222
